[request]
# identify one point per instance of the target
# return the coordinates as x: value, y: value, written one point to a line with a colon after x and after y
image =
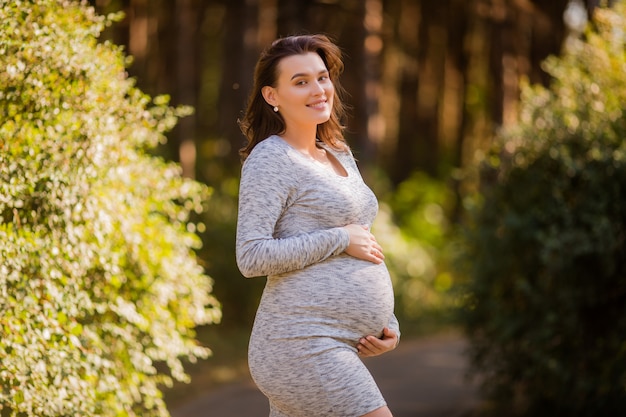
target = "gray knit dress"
x: 318, y: 301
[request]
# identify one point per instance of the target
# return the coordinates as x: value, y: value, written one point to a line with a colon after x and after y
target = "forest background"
x: 430, y: 84
x: 474, y: 160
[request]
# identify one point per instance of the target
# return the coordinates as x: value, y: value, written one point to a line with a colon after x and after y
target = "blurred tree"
x: 239, y: 50
x: 424, y: 60
x: 545, y: 307
x: 187, y: 78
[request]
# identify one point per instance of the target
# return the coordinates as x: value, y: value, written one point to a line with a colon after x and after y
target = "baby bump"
x: 348, y: 295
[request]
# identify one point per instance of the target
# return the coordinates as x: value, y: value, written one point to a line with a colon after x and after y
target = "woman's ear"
x: 269, y: 94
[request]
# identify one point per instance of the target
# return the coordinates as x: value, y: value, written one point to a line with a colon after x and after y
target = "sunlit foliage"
x: 99, y: 286
x: 545, y: 307
x: 412, y: 226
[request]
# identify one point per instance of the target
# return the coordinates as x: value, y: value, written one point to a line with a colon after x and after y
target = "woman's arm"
x: 268, y: 185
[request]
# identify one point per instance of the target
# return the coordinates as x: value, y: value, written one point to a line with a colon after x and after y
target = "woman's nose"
x: 318, y: 88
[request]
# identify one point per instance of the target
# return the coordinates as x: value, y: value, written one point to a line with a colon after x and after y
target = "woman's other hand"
x: 369, y: 346
x: 363, y: 244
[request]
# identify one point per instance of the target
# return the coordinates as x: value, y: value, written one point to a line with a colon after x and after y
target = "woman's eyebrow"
x: 304, y: 74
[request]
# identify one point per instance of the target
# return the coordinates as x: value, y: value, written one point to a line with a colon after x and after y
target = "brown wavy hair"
x: 260, y: 121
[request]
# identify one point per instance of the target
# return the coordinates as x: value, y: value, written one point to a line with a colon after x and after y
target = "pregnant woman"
x: 303, y: 221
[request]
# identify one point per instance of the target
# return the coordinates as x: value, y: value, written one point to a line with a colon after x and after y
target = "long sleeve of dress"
x: 269, y: 184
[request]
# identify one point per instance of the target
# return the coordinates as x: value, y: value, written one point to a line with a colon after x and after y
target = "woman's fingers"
x: 377, y: 254
x: 370, y: 346
x: 373, y: 346
x: 363, y: 244
x: 375, y: 251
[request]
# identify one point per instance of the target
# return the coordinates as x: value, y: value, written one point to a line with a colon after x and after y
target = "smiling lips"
x: 318, y: 104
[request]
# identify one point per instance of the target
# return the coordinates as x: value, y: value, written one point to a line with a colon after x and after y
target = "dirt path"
x: 421, y: 378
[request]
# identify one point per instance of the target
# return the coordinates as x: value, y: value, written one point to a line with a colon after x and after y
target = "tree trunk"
x: 456, y: 88
x: 354, y: 81
x: 240, y: 51
x: 408, y: 40
x: 186, y: 82
x: 431, y: 67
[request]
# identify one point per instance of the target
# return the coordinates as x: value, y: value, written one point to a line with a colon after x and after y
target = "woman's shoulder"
x: 270, y: 142
x: 271, y: 154
x: 272, y: 145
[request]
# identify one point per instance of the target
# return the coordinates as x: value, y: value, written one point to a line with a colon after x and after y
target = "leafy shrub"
x: 545, y: 307
x: 100, y: 290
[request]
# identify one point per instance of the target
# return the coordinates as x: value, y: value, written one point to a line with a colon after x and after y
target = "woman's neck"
x: 302, y: 139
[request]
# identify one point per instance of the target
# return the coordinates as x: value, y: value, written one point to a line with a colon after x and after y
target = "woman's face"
x: 304, y: 92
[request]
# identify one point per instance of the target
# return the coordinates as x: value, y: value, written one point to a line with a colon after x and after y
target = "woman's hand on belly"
x: 373, y: 346
x: 363, y: 244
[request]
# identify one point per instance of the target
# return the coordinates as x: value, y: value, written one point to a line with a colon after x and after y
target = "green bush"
x: 545, y: 307
x: 100, y: 290
x: 412, y: 226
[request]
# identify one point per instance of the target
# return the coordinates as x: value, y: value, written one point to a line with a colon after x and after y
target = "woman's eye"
x: 301, y: 82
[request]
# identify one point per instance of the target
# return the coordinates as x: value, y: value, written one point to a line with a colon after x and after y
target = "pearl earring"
x: 276, y: 109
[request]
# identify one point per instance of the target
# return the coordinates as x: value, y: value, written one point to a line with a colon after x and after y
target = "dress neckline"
x: 330, y: 154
